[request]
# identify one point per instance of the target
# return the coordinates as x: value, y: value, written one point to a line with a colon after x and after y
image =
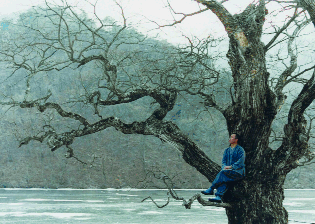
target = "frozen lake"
x: 46, y: 206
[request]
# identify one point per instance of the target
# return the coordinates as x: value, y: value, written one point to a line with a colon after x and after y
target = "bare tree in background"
x: 125, y: 70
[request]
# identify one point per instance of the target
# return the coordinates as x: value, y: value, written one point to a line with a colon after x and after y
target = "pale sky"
x: 139, y: 12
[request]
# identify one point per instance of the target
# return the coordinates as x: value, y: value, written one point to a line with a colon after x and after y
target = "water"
x: 45, y: 206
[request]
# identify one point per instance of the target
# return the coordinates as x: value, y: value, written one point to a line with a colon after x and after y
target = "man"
x: 233, y: 168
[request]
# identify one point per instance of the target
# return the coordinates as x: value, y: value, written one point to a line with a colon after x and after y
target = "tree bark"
x: 257, y: 202
x: 309, y: 6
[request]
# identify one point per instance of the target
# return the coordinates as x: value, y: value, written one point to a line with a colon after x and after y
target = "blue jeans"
x: 222, y: 178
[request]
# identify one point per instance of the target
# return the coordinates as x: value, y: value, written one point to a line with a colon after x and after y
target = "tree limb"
x: 186, y: 203
x: 294, y: 145
x: 267, y: 47
x: 291, y: 68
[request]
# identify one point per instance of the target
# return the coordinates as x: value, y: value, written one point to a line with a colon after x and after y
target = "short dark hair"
x: 237, y: 136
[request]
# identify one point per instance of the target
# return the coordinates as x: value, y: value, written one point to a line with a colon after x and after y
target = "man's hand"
x: 228, y: 167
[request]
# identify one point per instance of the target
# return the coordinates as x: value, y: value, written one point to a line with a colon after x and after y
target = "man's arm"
x: 224, y: 160
x: 239, y: 163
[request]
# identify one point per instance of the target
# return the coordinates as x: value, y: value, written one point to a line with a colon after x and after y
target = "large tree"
x: 254, y: 109
x: 127, y: 74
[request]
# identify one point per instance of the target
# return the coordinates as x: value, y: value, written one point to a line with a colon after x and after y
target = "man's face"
x: 232, y: 139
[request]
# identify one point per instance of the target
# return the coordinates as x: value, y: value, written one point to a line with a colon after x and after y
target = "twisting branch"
x: 162, y: 206
x: 282, y: 80
x: 57, y: 107
x: 309, y: 154
x: 289, y: 152
x: 48, y: 134
x: 70, y: 154
x: 186, y: 203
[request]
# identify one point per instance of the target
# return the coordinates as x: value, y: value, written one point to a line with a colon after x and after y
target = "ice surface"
x: 46, y: 206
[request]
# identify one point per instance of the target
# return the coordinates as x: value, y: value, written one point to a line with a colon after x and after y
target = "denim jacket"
x: 235, y: 158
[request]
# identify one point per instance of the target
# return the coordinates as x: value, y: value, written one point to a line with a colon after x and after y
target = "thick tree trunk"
x: 309, y: 6
x: 258, y: 198
x: 260, y: 202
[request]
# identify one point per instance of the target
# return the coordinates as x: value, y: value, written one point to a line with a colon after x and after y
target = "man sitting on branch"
x: 233, y: 169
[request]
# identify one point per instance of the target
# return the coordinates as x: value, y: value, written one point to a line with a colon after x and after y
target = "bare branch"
x: 184, y: 17
x: 282, y: 80
x: 289, y: 152
x: 186, y: 203
x: 57, y: 107
x: 267, y: 47
x: 294, y: 78
x: 70, y: 154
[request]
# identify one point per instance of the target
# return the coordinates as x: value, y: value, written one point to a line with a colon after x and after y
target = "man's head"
x: 234, y: 139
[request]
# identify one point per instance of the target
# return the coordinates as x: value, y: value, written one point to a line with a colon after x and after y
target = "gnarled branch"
x: 186, y: 203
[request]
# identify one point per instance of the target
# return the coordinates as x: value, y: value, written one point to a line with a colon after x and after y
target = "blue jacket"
x: 236, y: 158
